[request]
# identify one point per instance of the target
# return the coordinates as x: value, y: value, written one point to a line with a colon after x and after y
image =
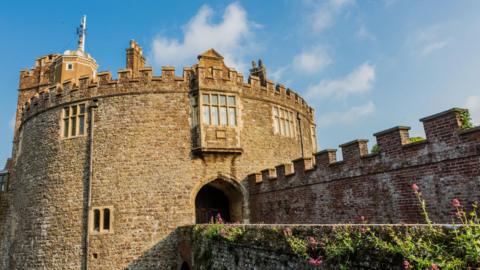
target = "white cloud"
x: 351, y: 115
x: 473, y: 105
x: 432, y: 46
x: 312, y: 61
x: 364, y: 34
x: 231, y: 37
x: 358, y: 81
x: 277, y: 74
x: 324, y: 14
x: 427, y: 40
x: 12, y: 122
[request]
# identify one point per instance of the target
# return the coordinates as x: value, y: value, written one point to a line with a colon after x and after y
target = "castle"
x: 103, y: 170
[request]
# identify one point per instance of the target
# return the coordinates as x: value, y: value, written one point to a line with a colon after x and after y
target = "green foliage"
x: 298, y: 246
x: 375, y: 149
x: 466, y: 120
x: 366, y: 247
x: 416, y: 139
x: 223, y: 231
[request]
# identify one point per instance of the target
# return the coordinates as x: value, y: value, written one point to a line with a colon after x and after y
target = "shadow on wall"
x: 163, y: 255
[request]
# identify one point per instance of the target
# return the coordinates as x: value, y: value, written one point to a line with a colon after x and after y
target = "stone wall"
x: 377, y: 185
x: 144, y: 165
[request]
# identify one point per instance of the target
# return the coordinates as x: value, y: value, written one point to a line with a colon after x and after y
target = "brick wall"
x: 377, y: 186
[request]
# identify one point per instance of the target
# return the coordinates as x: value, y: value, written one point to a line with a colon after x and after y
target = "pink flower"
x: 219, y: 219
x: 287, y: 232
x: 312, y: 242
x: 316, y: 262
x: 434, y: 267
x: 456, y: 203
x: 406, y: 264
x: 415, y: 188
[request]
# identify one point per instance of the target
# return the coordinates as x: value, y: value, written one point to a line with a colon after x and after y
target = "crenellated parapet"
x: 445, y: 140
x: 209, y: 74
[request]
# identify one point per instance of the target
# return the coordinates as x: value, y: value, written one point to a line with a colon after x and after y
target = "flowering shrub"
x: 362, y: 246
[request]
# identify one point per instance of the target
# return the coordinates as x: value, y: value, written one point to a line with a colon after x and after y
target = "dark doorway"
x: 185, y: 266
x: 218, y: 197
x: 211, y: 202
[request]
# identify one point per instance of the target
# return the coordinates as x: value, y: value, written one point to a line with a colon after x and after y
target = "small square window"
x: 69, y: 66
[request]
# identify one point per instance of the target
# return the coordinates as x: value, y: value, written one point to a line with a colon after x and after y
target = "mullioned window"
x: 219, y: 110
x: 73, y: 121
x: 283, y: 122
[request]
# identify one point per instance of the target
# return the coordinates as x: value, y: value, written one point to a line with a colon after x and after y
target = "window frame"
x: 69, y: 66
x: 283, y: 122
x: 73, y: 121
x: 101, y: 220
x: 226, y: 111
x: 3, y: 182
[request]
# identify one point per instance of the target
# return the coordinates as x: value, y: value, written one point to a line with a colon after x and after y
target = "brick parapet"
x: 446, y: 142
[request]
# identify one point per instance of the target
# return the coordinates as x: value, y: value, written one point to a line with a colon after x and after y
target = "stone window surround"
x: 231, y: 109
x: 101, y: 229
x: 3, y: 181
x: 283, y: 122
x: 78, y: 118
x: 68, y: 66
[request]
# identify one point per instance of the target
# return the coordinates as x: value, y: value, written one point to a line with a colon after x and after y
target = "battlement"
x: 445, y: 136
x: 210, y: 73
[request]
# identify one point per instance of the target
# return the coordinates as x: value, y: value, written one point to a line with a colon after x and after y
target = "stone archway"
x: 220, y: 197
x: 185, y: 266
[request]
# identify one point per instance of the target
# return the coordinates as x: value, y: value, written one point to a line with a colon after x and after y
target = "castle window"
x: 69, y: 66
x: 3, y: 181
x: 283, y: 122
x: 73, y: 121
x: 101, y: 220
x: 314, y: 139
x: 194, y: 103
x: 219, y: 110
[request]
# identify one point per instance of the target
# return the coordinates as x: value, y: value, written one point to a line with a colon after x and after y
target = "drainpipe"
x: 91, y: 108
x: 301, y: 136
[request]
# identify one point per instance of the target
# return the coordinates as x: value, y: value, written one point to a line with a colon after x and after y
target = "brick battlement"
x: 103, y: 84
x: 445, y: 151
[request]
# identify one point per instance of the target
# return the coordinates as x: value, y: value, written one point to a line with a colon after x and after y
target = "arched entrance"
x: 185, y: 266
x: 219, y: 197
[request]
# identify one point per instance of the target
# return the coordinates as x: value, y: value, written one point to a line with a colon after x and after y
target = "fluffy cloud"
x: 312, y: 61
x: 359, y: 80
x: 231, y: 37
x: 351, y: 115
x: 473, y: 104
x: 324, y: 14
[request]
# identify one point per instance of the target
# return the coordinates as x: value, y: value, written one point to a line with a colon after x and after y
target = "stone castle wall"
x: 376, y: 186
x: 144, y: 165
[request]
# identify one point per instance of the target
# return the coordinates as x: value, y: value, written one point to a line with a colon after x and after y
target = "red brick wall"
x: 376, y: 186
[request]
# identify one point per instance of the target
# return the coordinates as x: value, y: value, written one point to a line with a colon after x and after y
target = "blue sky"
x: 363, y: 65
